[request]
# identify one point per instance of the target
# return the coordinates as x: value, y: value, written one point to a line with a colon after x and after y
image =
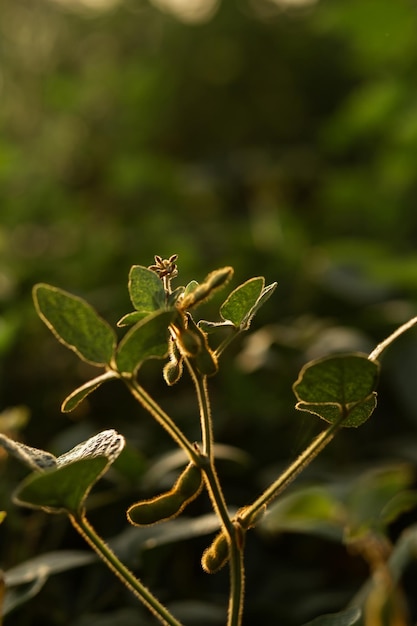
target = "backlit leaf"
x: 238, y: 305
x: 75, y: 324
x: 78, y: 395
x: 147, y: 340
x: 342, y: 384
x: 146, y: 289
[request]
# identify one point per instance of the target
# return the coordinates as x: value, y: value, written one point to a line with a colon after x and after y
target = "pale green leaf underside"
x: 62, y: 489
x: 355, y: 414
x: 75, y: 324
x: 147, y: 340
x: 344, y: 618
x: 146, y: 289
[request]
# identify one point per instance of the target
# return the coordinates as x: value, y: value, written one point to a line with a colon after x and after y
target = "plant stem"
x: 296, y: 467
x: 200, y: 383
x: 389, y: 340
x: 162, y: 418
x: 215, y: 492
x: 84, y: 528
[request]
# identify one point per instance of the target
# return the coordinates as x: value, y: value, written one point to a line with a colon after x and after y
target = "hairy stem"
x: 162, y: 418
x: 296, y: 467
x: 217, y: 498
x: 84, y: 528
x: 389, y: 340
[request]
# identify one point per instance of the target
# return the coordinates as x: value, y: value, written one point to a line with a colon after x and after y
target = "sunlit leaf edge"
x: 64, y: 496
x: 233, y: 299
x: 153, y: 287
x: 323, y: 410
x: 125, y: 365
x: 303, y: 391
x: 102, y: 357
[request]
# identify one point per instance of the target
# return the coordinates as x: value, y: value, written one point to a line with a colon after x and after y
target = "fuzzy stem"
x: 389, y: 340
x: 84, y: 528
x: 296, y: 467
x: 162, y: 418
x: 214, y: 489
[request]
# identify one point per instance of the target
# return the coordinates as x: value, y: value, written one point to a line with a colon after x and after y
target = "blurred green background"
x: 277, y: 136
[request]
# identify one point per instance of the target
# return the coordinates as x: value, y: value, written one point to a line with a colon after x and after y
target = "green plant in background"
x: 340, y: 389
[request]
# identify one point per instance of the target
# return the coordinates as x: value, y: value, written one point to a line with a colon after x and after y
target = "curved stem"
x: 388, y: 341
x: 163, y: 418
x: 84, y: 528
x: 215, y: 492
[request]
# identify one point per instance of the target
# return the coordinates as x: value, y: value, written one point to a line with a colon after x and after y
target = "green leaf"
x: 356, y: 414
x: 66, y: 486
x: 62, y: 489
x: 75, y: 324
x: 244, y: 301
x: 312, y: 509
x: 378, y: 497
x: 342, y: 384
x: 78, y: 395
x: 147, y: 340
x: 2, y: 516
x: 238, y: 305
x: 344, y: 618
x: 34, y: 572
x: 146, y: 289
x: 132, y: 318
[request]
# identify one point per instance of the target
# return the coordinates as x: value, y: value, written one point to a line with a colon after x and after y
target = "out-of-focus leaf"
x: 75, y: 324
x: 342, y: 384
x: 195, y: 613
x: 147, y: 340
x: 132, y: 541
x: 344, y: 618
x: 308, y: 510
x: 377, y: 497
x: 36, y: 571
x: 122, y: 617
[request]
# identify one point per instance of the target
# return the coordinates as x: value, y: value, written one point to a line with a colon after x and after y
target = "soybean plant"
x: 340, y: 389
